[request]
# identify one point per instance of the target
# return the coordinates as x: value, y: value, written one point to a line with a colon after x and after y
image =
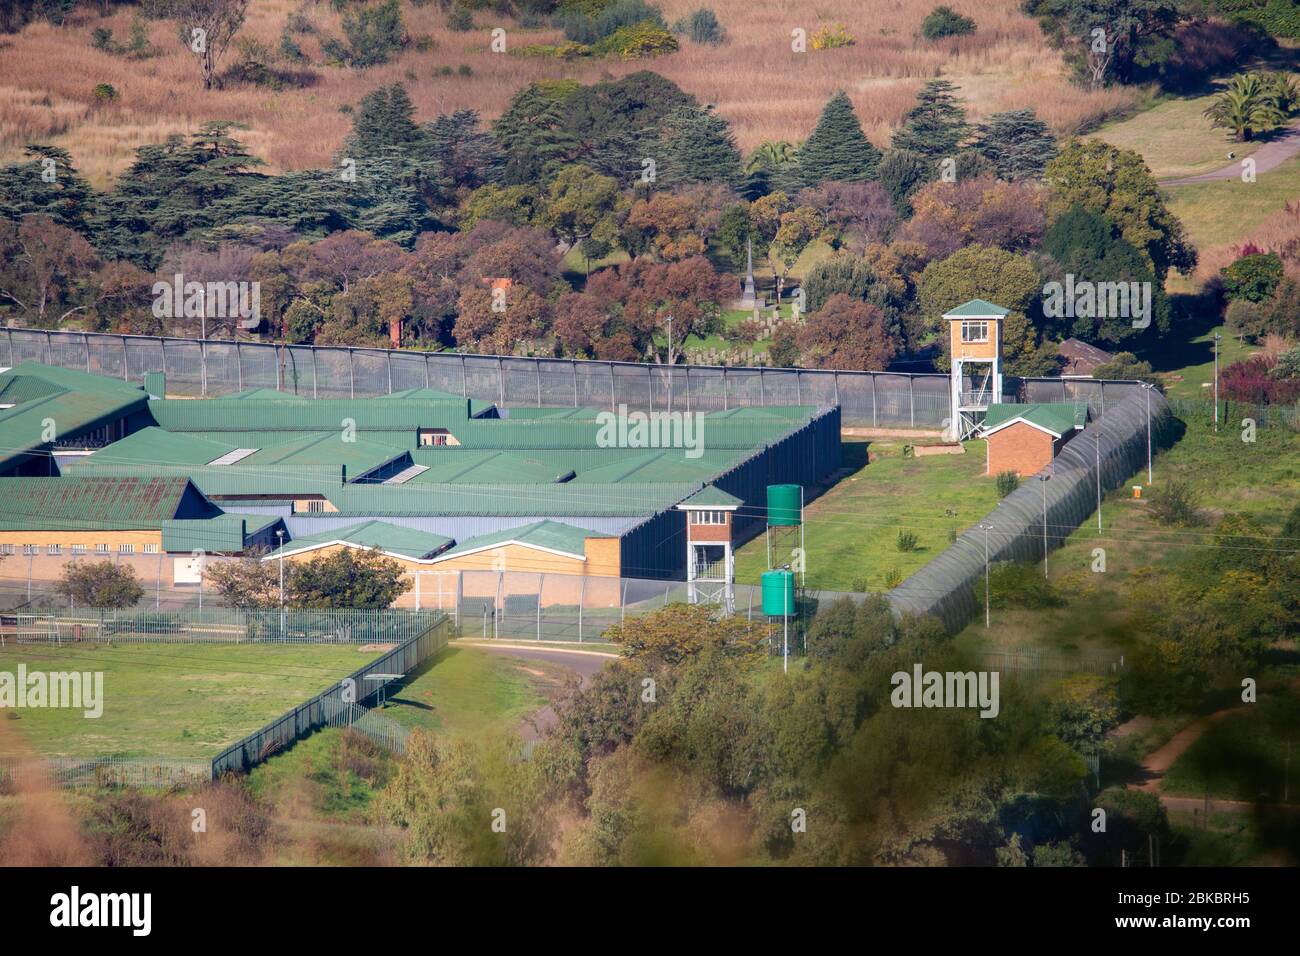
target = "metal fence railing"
x: 203, y: 368
x: 189, y: 625
x: 102, y: 772
x: 329, y: 707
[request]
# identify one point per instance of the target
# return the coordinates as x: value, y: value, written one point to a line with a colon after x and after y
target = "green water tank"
x: 778, y: 593
x: 784, y: 505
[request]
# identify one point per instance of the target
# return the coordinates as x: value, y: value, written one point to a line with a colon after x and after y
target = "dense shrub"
x: 104, y: 93
x: 1017, y: 585
x: 1253, y: 381
x: 701, y: 26
x: 639, y: 40
x: 581, y: 27
x: 832, y: 36
x: 907, y: 541
x: 946, y: 22
x: 1175, y: 503
x: 1007, y: 482
x: 1253, y: 277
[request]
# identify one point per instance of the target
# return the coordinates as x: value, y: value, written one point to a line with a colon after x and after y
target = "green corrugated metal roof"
x: 1056, y: 417
x: 553, y: 535
x: 479, y: 466
x: 977, y: 309
x: 293, y: 414
x: 712, y: 497
x: 74, y: 380
x: 224, y: 534
x: 23, y: 428
x: 393, y: 538
x: 16, y: 389
x: 118, y: 503
x: 157, y: 446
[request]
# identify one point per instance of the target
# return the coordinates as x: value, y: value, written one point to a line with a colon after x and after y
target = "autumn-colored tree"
x: 854, y: 213
x: 690, y: 293
x: 848, y: 333
x: 506, y: 322
x: 799, y: 227
x: 976, y: 211
x: 247, y: 582
x: 678, y: 633
x: 665, y: 225
x: 42, y: 268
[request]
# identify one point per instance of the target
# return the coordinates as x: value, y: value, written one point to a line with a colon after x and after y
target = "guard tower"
x: 975, y: 344
x: 710, y: 555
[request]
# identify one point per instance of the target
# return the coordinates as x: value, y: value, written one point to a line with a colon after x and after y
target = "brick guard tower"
x: 975, y: 344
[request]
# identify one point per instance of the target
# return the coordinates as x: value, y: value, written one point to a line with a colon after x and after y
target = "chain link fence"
x: 207, y: 368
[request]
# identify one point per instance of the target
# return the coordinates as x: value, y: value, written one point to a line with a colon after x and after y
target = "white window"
x: 6, y: 549
x: 54, y: 549
x: 126, y: 549
x: 101, y: 549
x: 78, y: 549
x: 30, y: 548
x: 974, y: 331
x: 708, y: 517
x: 315, y: 506
x: 151, y: 549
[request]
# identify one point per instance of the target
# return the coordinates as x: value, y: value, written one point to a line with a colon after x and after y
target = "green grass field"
x: 1223, y: 212
x: 852, y: 530
x: 1196, y: 378
x: 1176, y: 139
x: 184, y: 701
x: 463, y: 691
x: 1245, y: 756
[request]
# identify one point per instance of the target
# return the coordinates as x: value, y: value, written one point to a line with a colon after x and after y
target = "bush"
x: 946, y: 22
x: 893, y: 578
x: 459, y: 19
x: 1253, y: 381
x: 636, y: 41
x: 582, y: 27
x: 1016, y: 585
x: 701, y: 26
x: 1252, y: 277
x: 832, y: 36
x: 105, y: 93
x: 1175, y: 503
x: 1007, y: 482
x: 101, y: 38
x: 907, y: 541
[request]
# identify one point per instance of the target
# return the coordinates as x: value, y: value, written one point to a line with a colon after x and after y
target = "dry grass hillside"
x: 48, y: 74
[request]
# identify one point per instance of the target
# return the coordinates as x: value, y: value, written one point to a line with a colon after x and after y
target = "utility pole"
x: 1097, y: 447
x: 1043, y: 478
x: 279, y: 534
x: 1217, y: 337
x: 986, y: 528
x: 1147, y: 387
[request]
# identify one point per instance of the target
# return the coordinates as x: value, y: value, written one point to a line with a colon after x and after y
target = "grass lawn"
x: 463, y: 691
x: 183, y: 701
x: 1223, y: 212
x: 1176, y: 139
x: 852, y: 530
x: 1195, y: 363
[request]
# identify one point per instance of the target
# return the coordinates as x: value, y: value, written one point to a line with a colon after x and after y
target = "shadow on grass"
x: 1192, y: 317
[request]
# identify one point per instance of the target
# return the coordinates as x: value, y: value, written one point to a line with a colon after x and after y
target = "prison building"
x: 441, y: 482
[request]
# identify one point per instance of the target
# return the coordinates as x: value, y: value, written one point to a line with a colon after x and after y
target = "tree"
x: 995, y: 275
x: 248, y: 582
x: 837, y: 150
x: 207, y: 27
x: 384, y: 118
x: 348, y: 578
x: 849, y: 334
x: 1117, y: 184
x: 936, y: 126
x: 100, y: 584
x: 1125, y: 366
x: 532, y: 135
x: 616, y: 123
x: 666, y: 224
x: 854, y: 213
x: 798, y: 228
x: 698, y: 147
x: 902, y: 172
x: 1110, y: 40
x: 44, y: 270
x: 1253, y: 277
x: 467, y: 155
x: 678, y: 633
x: 374, y: 34
x: 980, y: 210
x: 579, y: 202
x: 49, y: 185
x: 1018, y: 144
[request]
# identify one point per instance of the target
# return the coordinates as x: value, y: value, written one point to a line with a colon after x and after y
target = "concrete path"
x: 1268, y: 157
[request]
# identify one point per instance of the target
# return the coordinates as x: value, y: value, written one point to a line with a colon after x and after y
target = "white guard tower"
x: 975, y: 341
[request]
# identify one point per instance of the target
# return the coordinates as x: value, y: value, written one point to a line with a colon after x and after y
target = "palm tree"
x: 1250, y: 105
x: 772, y: 153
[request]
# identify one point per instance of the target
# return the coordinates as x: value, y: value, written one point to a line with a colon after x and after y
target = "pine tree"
x: 385, y: 118
x: 837, y: 150
x: 697, y: 147
x: 532, y: 137
x: 48, y: 184
x: 936, y: 126
x: 1018, y: 144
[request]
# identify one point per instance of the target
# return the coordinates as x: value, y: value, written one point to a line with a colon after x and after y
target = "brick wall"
x: 1020, y: 448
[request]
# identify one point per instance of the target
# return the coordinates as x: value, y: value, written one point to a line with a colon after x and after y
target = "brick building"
x: 1025, y: 438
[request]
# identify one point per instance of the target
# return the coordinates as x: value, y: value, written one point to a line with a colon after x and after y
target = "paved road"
x: 1269, y: 156
x: 585, y: 664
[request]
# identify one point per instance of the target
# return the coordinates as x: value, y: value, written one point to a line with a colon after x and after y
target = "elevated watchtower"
x: 975, y: 344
